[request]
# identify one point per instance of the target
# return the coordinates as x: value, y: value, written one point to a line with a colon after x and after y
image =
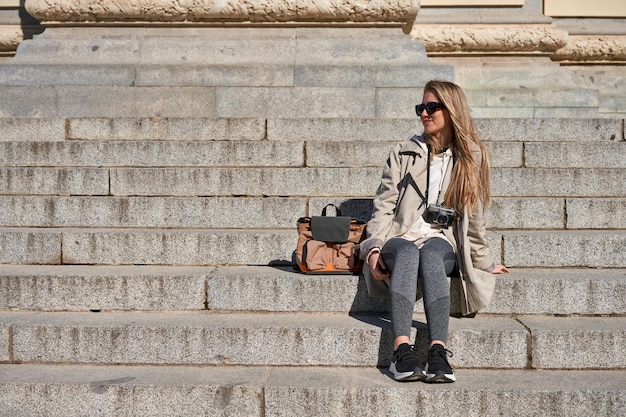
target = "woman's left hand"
x: 500, y: 269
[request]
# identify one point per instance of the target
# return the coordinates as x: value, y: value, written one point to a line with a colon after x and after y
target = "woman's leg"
x: 402, y: 258
x: 436, y: 262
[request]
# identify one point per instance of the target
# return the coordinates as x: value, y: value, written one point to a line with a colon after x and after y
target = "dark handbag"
x: 329, y: 244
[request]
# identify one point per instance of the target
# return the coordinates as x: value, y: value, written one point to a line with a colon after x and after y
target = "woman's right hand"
x: 377, y: 266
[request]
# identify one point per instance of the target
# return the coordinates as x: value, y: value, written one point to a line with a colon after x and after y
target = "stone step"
x: 281, y: 213
x: 281, y: 289
x: 520, y: 249
x: 254, y: 181
x: 286, y: 154
x: 54, y: 128
x: 314, y: 339
x: 342, y: 102
x: 87, y: 390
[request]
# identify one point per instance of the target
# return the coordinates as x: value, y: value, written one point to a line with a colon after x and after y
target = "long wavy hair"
x: 470, y: 182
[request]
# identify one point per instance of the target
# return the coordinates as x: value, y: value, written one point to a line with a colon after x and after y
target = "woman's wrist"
x: 370, y: 253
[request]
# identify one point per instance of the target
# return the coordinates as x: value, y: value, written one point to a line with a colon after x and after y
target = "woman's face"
x: 438, y: 122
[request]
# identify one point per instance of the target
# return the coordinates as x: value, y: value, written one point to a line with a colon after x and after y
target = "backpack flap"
x: 331, y: 228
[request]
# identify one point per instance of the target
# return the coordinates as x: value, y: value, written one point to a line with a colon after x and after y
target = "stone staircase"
x: 145, y: 251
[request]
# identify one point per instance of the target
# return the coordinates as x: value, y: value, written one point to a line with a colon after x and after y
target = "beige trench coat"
x: 396, y: 205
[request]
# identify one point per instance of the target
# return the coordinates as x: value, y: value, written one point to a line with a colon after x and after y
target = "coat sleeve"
x: 385, y: 201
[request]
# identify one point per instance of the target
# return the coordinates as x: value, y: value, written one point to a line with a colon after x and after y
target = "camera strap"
x: 428, y: 178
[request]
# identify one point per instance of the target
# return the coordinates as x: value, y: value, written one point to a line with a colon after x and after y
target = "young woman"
x: 428, y: 223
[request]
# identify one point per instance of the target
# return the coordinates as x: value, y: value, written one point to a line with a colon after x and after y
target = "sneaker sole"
x: 406, y: 376
x: 445, y: 378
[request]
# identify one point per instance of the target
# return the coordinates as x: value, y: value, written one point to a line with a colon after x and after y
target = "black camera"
x: 436, y: 214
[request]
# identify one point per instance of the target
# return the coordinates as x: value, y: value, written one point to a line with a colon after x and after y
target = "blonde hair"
x: 470, y: 183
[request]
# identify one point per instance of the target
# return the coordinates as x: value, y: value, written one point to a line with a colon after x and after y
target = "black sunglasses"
x: 430, y: 108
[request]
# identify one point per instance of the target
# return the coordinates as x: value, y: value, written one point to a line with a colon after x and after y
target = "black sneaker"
x: 405, y: 365
x: 438, y: 369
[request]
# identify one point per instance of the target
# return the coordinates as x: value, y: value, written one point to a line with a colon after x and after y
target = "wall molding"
x: 224, y: 11
x: 593, y: 49
x: 462, y: 39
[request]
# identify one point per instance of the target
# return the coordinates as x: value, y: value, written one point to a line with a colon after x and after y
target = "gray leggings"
x: 431, y: 265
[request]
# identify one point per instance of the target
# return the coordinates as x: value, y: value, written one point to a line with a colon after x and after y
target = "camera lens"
x: 442, y: 219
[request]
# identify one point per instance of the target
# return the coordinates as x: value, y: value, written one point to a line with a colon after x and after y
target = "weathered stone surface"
x: 267, y: 102
x: 106, y: 101
x: 30, y: 287
x: 170, y: 128
x: 178, y: 247
x: 245, y: 181
x: 541, y: 130
x: 250, y: 339
x: 26, y: 129
x: 28, y: 102
x: 54, y: 181
x: 563, y: 291
x: 597, y: 213
x: 477, y: 393
x: 526, y: 213
x: 151, y: 212
x: 160, y: 153
x: 556, y: 342
x: 558, y: 182
x: 365, y: 153
x: 30, y: 246
x: 73, y: 391
x: 596, y: 249
x: 575, y: 155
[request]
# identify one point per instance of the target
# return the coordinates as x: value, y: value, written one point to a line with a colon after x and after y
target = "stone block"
x: 83, y: 46
x: 221, y: 46
x: 40, y: 102
x: 362, y: 153
x: 54, y: 181
x: 211, y: 75
x: 295, y: 102
x: 485, y: 112
x: 592, y: 249
x: 151, y: 212
x: 557, y: 342
x: 77, y: 391
x: 526, y: 213
x: 563, y: 291
x: 245, y: 182
x: 71, y: 288
x: 249, y: 339
x: 399, y: 103
x: 26, y: 129
x: 165, y: 128
x: 567, y: 113
x: 477, y: 393
x: 546, y: 130
x: 178, y: 247
x: 542, y: 98
x: 340, y: 129
x: 360, y: 75
x: 153, y: 153
x: 104, y: 101
x: 5, y: 345
x: 596, y: 213
x: 284, y: 289
x: 558, y: 182
x: 30, y: 246
x: 63, y: 74
x: 573, y: 155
